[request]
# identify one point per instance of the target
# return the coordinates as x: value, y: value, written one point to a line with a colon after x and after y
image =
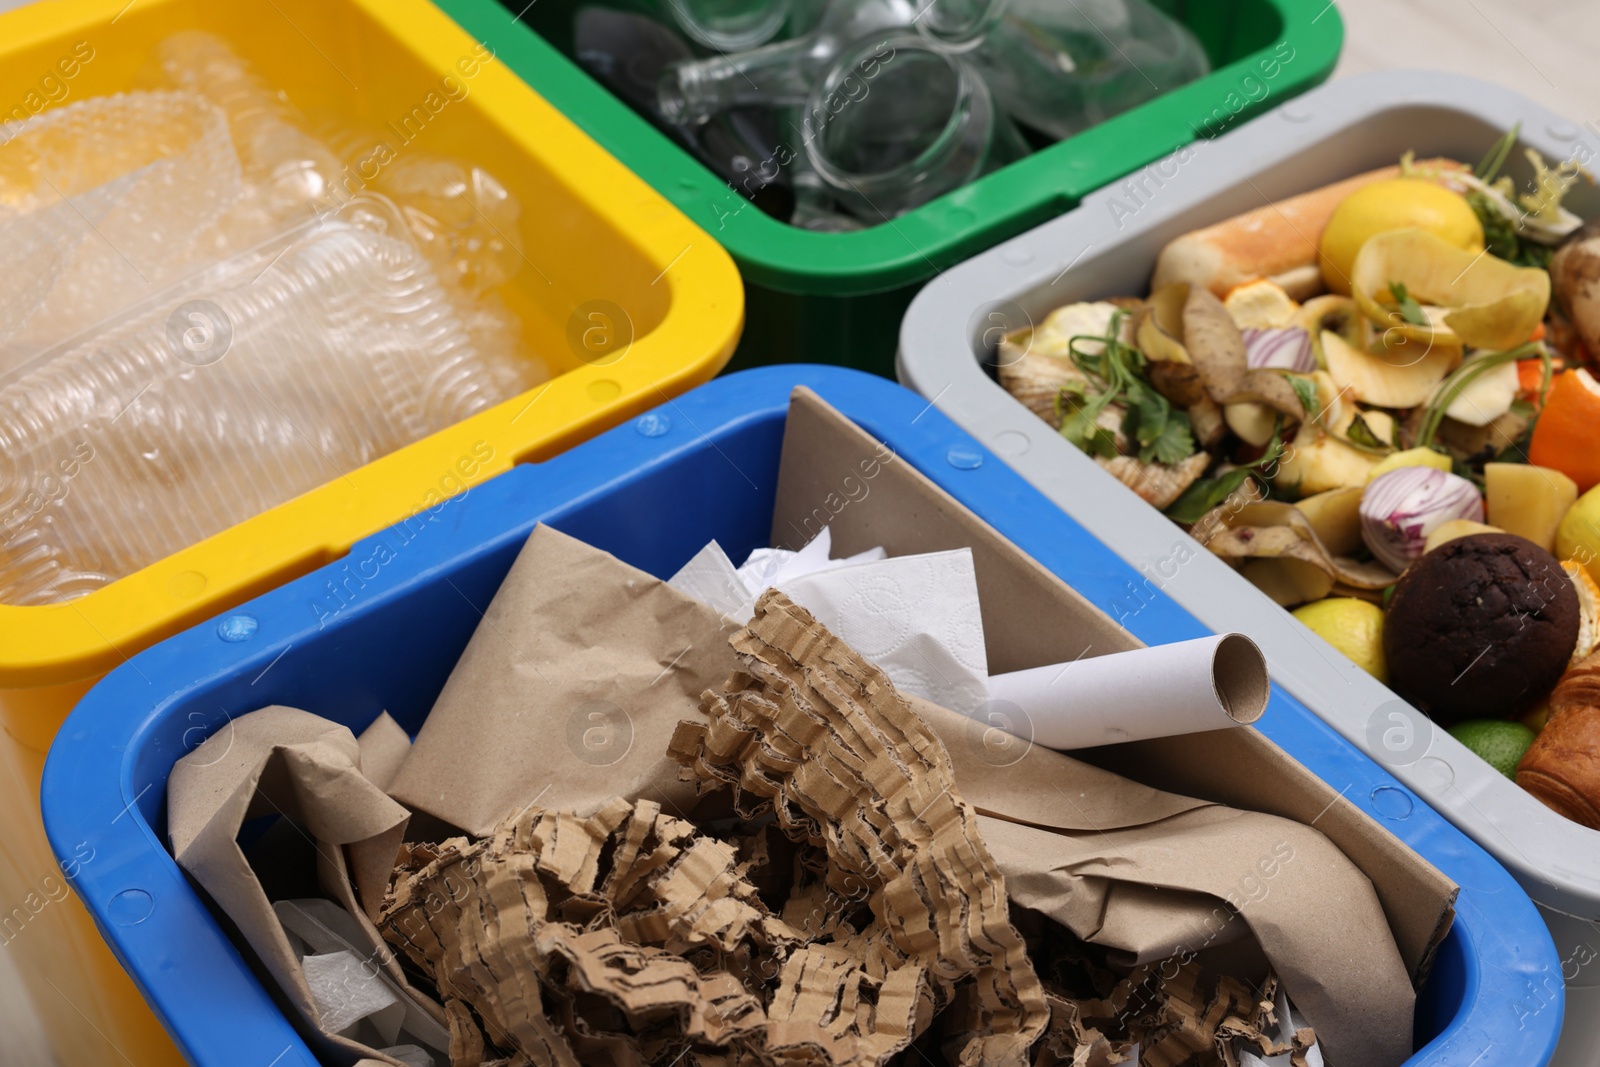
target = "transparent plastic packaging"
x: 197, y: 324
x: 463, y: 219
x: 238, y: 389
x: 286, y: 168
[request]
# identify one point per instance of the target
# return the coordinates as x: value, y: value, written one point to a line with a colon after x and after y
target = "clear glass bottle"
x: 1063, y: 67
x: 692, y: 92
x: 896, y: 123
x: 729, y: 25
x: 627, y: 53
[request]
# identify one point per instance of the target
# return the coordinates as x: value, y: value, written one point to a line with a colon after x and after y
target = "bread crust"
x: 1562, y: 766
x: 1276, y: 241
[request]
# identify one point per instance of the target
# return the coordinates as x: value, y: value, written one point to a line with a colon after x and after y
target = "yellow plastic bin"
x: 606, y: 252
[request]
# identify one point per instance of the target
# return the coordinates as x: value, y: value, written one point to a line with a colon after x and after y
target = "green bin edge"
x: 839, y: 298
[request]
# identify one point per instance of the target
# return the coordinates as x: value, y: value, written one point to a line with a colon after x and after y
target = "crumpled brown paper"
x: 1156, y: 876
x: 289, y: 762
x: 576, y: 678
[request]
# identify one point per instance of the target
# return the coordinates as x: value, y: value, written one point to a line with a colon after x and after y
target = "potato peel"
x: 1272, y: 530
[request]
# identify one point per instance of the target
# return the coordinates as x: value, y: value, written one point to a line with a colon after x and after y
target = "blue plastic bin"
x: 652, y: 492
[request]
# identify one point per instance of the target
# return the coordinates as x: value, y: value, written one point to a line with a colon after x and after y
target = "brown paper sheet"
x: 288, y: 762
x: 383, y: 748
x: 567, y: 693
x: 1157, y: 875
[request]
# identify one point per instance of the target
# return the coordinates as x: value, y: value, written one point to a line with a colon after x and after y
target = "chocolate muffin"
x: 1480, y: 628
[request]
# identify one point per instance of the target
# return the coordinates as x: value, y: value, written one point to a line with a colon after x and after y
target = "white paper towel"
x: 711, y: 578
x: 916, y: 617
x: 350, y: 991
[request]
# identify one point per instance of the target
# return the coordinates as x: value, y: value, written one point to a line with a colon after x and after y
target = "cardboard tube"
x: 1189, y: 687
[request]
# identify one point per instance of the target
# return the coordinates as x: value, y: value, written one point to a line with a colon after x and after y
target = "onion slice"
x: 1401, y: 508
x: 1286, y: 348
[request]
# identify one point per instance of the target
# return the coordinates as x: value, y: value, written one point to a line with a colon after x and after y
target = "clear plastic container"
x: 294, y: 363
x: 102, y: 203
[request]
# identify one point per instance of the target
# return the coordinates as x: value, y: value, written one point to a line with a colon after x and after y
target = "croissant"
x: 1562, y: 766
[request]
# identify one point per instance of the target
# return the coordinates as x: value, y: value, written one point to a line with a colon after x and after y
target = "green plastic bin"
x: 839, y: 298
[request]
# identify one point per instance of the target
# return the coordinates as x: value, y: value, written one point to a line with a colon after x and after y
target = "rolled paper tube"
x: 1209, y: 684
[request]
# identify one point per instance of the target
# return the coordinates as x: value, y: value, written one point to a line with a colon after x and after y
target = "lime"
x: 1393, y: 204
x: 1498, y: 743
x: 1353, y: 626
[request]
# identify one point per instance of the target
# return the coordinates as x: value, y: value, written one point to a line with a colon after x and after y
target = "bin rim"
x: 915, y: 246
x: 62, y: 643
x: 1555, y: 860
x: 89, y: 793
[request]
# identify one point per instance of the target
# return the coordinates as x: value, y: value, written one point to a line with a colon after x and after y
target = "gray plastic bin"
x: 1107, y: 247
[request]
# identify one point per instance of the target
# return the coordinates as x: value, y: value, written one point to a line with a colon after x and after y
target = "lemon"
x: 1498, y: 743
x: 1353, y: 626
x: 1578, y: 535
x: 1393, y: 204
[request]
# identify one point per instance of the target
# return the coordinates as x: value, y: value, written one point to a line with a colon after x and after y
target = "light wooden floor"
x: 1545, y: 49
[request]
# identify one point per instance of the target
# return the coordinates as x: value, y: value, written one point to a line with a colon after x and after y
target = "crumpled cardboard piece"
x: 527, y: 932
x: 567, y: 693
x: 818, y: 735
x: 284, y: 761
x: 1157, y: 876
x: 555, y: 914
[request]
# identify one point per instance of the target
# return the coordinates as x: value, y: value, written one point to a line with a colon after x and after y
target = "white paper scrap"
x: 346, y: 990
x: 916, y: 617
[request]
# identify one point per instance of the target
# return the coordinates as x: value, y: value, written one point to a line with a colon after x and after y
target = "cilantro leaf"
x: 1409, y: 309
x: 1174, y: 444
x: 1149, y: 421
x: 1207, y: 493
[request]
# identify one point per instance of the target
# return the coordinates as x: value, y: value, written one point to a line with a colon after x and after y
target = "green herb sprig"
x: 1163, y: 435
x: 1207, y: 493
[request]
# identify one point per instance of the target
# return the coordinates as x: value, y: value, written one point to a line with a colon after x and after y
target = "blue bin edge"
x: 1499, y: 962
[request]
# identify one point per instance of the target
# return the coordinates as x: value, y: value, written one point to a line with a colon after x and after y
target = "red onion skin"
x: 1401, y: 507
x: 1288, y: 348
